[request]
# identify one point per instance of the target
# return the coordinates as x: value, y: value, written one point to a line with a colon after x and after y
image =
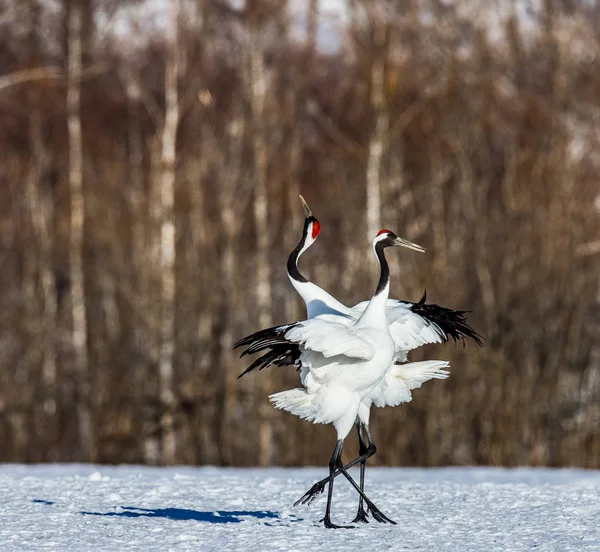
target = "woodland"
x: 149, y: 181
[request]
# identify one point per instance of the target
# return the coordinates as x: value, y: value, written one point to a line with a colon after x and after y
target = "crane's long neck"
x: 383, y: 286
x: 292, y: 264
x: 374, y: 314
x: 317, y: 300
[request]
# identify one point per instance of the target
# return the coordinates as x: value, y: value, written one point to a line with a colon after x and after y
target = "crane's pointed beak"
x: 305, y: 206
x: 401, y: 242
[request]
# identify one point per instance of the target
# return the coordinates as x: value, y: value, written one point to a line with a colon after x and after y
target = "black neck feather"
x: 384, y: 277
x: 292, y: 264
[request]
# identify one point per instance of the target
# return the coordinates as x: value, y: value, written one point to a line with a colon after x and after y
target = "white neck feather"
x: 317, y: 300
x: 375, y: 313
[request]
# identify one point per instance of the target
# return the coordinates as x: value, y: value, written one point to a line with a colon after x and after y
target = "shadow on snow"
x: 181, y: 514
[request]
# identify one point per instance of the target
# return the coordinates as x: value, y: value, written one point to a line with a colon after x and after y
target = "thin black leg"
x: 377, y: 514
x: 373, y: 449
x: 361, y: 514
x: 319, y: 487
x: 336, y: 460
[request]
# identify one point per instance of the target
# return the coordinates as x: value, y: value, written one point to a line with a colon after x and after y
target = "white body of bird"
x: 342, y: 362
x: 341, y: 366
x: 408, y: 329
x: 396, y: 386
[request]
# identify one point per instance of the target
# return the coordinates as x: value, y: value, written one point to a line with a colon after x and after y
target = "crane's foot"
x: 310, y: 496
x: 327, y: 522
x: 361, y: 516
x: 379, y: 516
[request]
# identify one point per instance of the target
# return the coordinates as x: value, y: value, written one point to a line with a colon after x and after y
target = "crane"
x: 411, y: 325
x: 341, y: 364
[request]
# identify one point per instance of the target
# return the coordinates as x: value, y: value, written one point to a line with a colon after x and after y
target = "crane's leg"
x: 361, y: 515
x: 336, y: 460
x: 377, y: 514
x: 319, y: 487
x: 372, y: 449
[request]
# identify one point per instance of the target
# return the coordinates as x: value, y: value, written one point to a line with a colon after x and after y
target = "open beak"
x: 305, y: 207
x: 400, y: 242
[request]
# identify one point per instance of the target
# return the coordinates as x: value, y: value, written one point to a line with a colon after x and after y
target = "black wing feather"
x: 281, y: 352
x: 452, y: 322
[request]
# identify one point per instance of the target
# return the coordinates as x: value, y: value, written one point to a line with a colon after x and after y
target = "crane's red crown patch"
x: 316, y: 229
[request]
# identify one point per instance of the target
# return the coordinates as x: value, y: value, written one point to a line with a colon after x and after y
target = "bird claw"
x: 361, y: 517
x: 379, y: 516
x: 329, y: 525
x: 310, y: 496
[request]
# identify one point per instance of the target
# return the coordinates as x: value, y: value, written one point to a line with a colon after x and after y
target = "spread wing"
x: 282, y: 345
x: 330, y: 339
x: 411, y: 325
x: 452, y: 323
x: 415, y: 324
x: 408, y: 329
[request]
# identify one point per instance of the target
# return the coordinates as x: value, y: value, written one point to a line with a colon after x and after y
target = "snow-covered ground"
x: 81, y: 508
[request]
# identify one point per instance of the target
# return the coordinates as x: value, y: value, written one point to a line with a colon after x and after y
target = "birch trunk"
x: 376, y: 142
x: 167, y: 237
x: 298, y: 116
x: 78, y: 307
x: 258, y: 89
x: 229, y: 395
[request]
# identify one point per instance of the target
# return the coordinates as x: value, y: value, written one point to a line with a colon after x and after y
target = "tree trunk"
x: 168, y: 237
x: 377, y: 143
x: 78, y: 307
x: 40, y: 211
x: 139, y: 288
x: 258, y: 89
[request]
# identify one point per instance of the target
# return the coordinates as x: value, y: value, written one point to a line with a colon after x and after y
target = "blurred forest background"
x: 151, y: 156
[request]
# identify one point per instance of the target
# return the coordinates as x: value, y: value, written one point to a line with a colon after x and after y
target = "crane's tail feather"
x: 415, y: 374
x: 297, y: 401
x: 403, y: 378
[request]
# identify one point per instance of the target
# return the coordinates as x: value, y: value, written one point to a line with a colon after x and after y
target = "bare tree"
x: 185, y: 197
x: 78, y: 306
x: 166, y: 197
x: 377, y: 15
x: 258, y: 93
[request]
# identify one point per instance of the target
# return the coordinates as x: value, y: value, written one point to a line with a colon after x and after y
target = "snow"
x: 86, y: 507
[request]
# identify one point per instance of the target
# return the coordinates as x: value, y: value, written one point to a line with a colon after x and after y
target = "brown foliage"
x: 490, y: 159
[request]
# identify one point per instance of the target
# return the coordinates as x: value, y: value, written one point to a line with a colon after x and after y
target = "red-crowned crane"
x: 411, y: 325
x: 341, y: 365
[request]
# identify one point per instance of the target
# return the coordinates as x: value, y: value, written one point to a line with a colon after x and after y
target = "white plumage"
x: 408, y: 329
x: 340, y: 367
x: 342, y: 363
x: 332, y: 338
x: 351, y: 357
x: 401, y: 379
